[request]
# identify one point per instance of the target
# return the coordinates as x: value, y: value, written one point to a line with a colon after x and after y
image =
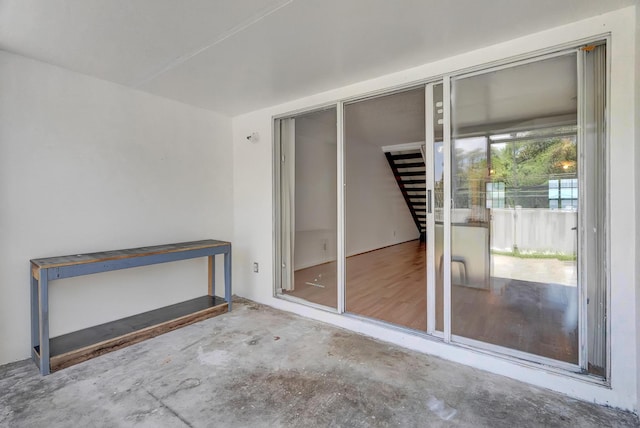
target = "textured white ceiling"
x: 235, y: 56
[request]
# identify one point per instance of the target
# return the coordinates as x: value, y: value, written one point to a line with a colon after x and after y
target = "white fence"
x: 534, y: 229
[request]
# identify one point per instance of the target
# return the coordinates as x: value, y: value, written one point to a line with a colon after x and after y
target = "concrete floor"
x: 546, y: 271
x: 260, y: 367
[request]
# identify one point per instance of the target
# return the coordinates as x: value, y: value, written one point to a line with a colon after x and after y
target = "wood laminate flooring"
x: 389, y: 285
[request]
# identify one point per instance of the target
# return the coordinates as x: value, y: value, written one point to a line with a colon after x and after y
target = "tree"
x: 525, y: 168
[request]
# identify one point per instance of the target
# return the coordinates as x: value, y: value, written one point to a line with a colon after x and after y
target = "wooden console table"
x: 51, y: 354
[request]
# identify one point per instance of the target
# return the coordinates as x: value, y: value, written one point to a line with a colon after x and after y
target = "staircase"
x: 409, y: 169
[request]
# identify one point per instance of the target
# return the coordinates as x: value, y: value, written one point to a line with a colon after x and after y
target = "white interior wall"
x: 87, y: 165
x: 253, y: 193
x: 377, y: 215
x: 376, y: 212
x: 315, y: 186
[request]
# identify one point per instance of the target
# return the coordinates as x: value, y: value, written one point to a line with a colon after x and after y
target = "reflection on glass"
x: 310, y: 150
x: 515, y: 208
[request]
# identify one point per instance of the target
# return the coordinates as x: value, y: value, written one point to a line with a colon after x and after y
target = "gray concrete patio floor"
x: 257, y: 367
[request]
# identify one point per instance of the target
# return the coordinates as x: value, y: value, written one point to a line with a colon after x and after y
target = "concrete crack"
x: 176, y: 414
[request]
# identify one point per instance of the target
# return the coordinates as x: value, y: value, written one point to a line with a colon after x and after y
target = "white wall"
x: 376, y: 212
x: 253, y: 209
x: 315, y: 187
x: 87, y: 165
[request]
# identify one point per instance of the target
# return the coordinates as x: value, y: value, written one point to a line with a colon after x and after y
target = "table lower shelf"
x: 82, y: 345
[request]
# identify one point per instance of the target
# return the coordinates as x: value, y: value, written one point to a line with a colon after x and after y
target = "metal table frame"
x: 42, y: 271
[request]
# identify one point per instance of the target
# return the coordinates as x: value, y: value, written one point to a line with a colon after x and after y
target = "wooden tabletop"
x: 78, y: 259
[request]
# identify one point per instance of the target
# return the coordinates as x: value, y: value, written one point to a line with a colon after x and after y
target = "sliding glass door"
x: 307, y: 180
x: 435, y: 151
x: 514, y: 215
x: 520, y: 197
x: 472, y: 208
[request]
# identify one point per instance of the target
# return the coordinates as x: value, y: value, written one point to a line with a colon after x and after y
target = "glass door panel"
x: 515, y: 199
x: 308, y: 176
x: 435, y: 129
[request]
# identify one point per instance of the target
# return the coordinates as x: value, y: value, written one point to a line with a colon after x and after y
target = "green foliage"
x: 530, y: 163
x: 524, y: 167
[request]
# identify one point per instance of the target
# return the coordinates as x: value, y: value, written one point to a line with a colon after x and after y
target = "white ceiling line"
x: 229, y: 33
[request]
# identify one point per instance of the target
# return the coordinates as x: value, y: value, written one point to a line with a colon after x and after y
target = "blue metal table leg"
x: 44, y: 322
x: 212, y: 275
x: 35, y: 319
x: 227, y: 277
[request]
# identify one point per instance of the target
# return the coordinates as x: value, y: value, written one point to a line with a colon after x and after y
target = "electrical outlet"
x: 256, y: 268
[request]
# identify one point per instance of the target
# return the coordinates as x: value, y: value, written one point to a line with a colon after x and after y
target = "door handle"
x: 429, y: 201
